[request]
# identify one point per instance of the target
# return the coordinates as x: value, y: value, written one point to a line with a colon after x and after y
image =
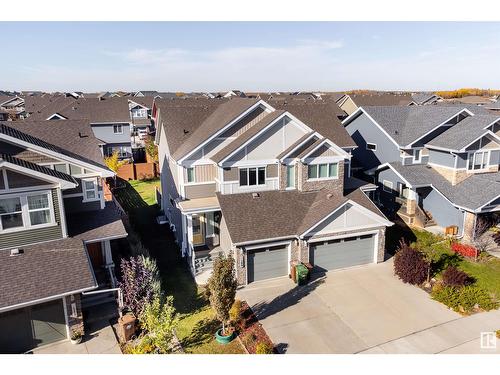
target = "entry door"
x: 198, y: 222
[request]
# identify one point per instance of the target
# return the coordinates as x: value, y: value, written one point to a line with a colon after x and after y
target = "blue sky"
x: 251, y: 56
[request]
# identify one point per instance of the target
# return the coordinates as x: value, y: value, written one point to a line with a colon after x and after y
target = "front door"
x: 198, y: 222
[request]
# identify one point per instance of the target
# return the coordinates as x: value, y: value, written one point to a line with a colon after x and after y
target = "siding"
x: 442, y: 158
x: 363, y: 130
x: 272, y: 170
x: 443, y: 212
x: 323, y: 151
x: 225, y: 238
x: 203, y: 173
x: 231, y: 174
x: 24, y: 154
x: 389, y: 175
x: 199, y: 191
x: 105, y: 133
x: 19, y: 180
x: 76, y: 204
x: 245, y: 123
x: 8, y: 240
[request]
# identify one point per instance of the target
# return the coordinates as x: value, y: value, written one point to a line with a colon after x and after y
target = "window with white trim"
x: 26, y: 211
x: 322, y: 171
x: 371, y: 146
x: 139, y: 113
x: 190, y: 174
x: 89, y: 187
x: 478, y: 160
x: 388, y: 186
x: 39, y: 209
x: 118, y: 129
x: 417, y: 155
x: 253, y: 176
x: 11, y: 213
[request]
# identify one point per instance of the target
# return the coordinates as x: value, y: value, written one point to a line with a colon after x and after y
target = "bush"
x: 264, y: 348
x: 465, y: 298
x: 235, y: 312
x: 452, y: 276
x: 410, y: 265
x: 464, y: 250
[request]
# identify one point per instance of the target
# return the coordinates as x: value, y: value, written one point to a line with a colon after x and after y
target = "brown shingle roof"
x: 44, y: 270
x: 279, y: 214
x: 381, y: 99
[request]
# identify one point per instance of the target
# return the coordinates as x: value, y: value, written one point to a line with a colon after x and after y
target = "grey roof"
x: 73, y: 138
x: 96, y: 225
x: 381, y: 99
x: 37, y: 168
x: 472, y: 193
x: 464, y: 133
x: 423, y: 97
x: 407, y: 124
x: 44, y: 270
x: 277, y: 214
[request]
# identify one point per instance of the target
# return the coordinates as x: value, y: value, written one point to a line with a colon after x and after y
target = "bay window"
x: 322, y: 171
x: 252, y: 176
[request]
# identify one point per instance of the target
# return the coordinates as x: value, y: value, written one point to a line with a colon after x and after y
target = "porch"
x: 411, y: 212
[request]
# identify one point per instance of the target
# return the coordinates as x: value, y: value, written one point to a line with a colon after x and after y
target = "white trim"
x: 42, y: 176
x: 66, y: 320
x: 62, y: 214
x: 56, y: 116
x: 267, y: 244
x: 311, y: 135
x: 333, y: 146
x: 419, y: 150
x: 95, y: 190
x: 245, y: 243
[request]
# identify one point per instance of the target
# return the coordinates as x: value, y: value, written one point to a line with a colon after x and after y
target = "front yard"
x: 197, y: 323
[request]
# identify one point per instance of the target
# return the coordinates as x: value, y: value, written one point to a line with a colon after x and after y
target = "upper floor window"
x: 190, y: 174
x: 290, y: 176
x: 478, y: 160
x: 140, y: 113
x: 25, y: 211
x: 90, y: 189
x: 371, y: 146
x: 417, y: 155
x: 320, y: 171
x: 118, y: 129
x: 252, y: 176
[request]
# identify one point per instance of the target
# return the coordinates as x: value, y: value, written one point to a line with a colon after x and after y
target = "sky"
x: 249, y: 56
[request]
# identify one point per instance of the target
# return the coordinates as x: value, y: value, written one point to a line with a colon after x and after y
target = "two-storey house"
x: 435, y: 165
x: 269, y: 186
x: 56, y: 230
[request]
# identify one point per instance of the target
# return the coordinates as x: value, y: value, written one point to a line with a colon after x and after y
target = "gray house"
x: 269, y: 186
x: 56, y: 230
x: 435, y: 165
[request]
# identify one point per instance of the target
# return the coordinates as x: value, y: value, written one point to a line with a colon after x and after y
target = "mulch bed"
x: 250, y: 330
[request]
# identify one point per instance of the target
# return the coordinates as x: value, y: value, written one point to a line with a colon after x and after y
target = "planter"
x: 76, y: 341
x: 224, y: 339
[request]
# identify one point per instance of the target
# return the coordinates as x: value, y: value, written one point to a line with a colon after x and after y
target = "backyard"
x: 197, y: 324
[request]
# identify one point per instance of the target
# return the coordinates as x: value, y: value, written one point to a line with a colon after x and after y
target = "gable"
x: 324, y: 151
x: 16, y: 180
x: 272, y: 141
x: 484, y: 143
x: 347, y: 217
x: 24, y: 154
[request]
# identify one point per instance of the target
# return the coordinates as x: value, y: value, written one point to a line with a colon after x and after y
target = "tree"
x: 222, y: 285
x: 481, y: 241
x: 151, y: 148
x: 159, y: 320
x: 410, y: 265
x: 113, y: 162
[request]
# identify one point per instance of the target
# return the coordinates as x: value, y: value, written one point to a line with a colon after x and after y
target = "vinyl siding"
x: 30, y: 236
x: 105, y: 133
x: 76, y: 204
x: 443, y: 212
x: 442, y: 158
x: 199, y: 191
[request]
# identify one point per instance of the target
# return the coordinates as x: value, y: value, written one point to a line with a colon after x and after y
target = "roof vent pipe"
x: 255, y: 195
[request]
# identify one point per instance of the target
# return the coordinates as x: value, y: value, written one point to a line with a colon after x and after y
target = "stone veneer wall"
x: 75, y: 323
x: 333, y: 184
x: 469, y: 226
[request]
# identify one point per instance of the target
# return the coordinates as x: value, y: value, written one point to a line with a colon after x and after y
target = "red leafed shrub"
x: 464, y: 250
x: 452, y: 276
x: 410, y: 265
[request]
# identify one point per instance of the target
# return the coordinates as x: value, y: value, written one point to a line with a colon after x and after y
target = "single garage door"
x: 342, y: 253
x: 24, y: 329
x: 266, y: 263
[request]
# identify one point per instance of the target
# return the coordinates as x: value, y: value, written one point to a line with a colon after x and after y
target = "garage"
x: 267, y: 263
x: 342, y: 253
x: 33, y: 326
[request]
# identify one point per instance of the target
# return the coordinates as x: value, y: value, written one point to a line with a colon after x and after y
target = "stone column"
x: 469, y: 226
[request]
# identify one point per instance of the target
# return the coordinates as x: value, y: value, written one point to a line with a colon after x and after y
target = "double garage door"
x: 24, y: 329
x: 342, y: 253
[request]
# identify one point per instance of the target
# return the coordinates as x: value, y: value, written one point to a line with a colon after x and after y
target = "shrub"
x: 264, y: 348
x: 452, y: 276
x: 446, y: 294
x: 143, y: 346
x: 464, y: 250
x: 222, y: 284
x: 410, y: 265
x: 113, y: 162
x: 466, y: 297
x: 234, y: 313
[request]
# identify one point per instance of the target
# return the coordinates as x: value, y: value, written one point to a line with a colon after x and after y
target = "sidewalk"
x: 459, y: 336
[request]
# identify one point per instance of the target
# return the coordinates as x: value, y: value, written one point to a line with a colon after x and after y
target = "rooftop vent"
x: 185, y: 131
x: 255, y: 195
x: 16, y: 252
x: 329, y: 196
x: 81, y: 135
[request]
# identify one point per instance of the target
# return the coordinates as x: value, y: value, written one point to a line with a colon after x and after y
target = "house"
x: 435, y: 165
x: 424, y: 98
x: 236, y: 93
x: 140, y: 112
x: 56, y: 230
x: 13, y: 106
x: 110, y: 119
x: 349, y: 103
x: 269, y: 186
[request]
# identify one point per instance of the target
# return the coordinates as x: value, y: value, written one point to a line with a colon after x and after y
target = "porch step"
x: 204, y: 261
x: 97, y: 299
x: 430, y: 223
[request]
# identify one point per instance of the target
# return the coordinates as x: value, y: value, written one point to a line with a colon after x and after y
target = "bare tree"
x: 482, y: 241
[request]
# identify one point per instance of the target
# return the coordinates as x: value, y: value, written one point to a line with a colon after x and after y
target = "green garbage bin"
x: 301, y: 274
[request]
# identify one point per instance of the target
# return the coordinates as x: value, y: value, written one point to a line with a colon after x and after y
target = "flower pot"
x: 224, y: 339
x: 76, y: 341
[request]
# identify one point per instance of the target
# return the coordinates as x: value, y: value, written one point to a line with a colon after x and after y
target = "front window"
x: 323, y: 171
x: 371, y: 146
x: 139, y: 113
x: 39, y: 209
x: 190, y: 174
x: 118, y: 129
x: 290, y: 176
x: 387, y: 186
x: 11, y: 215
x: 417, y: 155
x: 478, y: 160
x: 252, y: 176
x: 90, y: 189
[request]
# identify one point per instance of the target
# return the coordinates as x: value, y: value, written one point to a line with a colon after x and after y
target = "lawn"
x: 486, y: 271
x: 197, y: 324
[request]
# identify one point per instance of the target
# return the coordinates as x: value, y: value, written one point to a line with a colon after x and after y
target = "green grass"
x: 197, y: 325
x: 486, y: 273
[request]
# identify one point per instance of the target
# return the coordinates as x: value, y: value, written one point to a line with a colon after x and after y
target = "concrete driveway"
x: 350, y: 311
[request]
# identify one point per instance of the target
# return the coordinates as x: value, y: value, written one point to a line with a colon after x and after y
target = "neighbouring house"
x: 235, y: 93
x: 109, y: 118
x: 56, y: 231
x: 13, y: 106
x: 349, y: 103
x: 269, y: 186
x: 140, y: 112
x: 435, y: 165
x: 425, y: 98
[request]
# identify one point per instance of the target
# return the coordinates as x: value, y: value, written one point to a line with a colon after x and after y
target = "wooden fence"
x: 138, y: 171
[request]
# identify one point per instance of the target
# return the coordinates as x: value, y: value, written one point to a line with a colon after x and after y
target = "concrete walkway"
x: 100, y: 340
x: 364, y: 309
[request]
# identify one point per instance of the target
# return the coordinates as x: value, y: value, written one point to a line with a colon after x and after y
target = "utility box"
x: 127, y: 326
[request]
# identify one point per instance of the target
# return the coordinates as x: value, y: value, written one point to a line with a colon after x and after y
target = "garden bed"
x: 250, y: 331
